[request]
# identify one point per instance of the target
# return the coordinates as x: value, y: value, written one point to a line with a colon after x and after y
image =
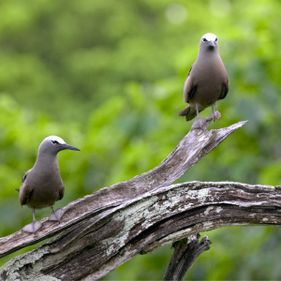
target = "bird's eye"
x: 55, y: 142
x: 204, y: 40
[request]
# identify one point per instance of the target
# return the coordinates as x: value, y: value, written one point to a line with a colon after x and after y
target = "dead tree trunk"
x: 114, y: 224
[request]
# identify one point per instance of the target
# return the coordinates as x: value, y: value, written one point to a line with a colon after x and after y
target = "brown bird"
x: 42, y: 185
x: 207, y: 80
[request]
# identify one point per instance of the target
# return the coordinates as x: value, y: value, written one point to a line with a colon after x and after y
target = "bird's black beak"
x: 70, y: 147
x: 211, y: 45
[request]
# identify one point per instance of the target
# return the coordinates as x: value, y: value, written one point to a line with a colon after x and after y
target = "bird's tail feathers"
x: 184, y: 112
x: 189, y: 113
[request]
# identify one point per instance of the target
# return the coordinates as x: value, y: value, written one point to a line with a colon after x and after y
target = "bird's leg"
x: 56, y: 214
x: 34, y: 226
x: 199, y: 123
x: 215, y: 114
x: 197, y: 110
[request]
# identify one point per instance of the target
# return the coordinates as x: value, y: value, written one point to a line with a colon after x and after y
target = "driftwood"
x: 114, y: 224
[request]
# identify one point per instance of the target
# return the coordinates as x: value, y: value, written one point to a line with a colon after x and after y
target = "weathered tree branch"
x: 185, y: 253
x: 190, y: 150
x: 116, y: 223
x: 142, y: 224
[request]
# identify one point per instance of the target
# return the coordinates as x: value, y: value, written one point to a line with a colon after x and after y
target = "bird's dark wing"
x: 23, y: 188
x: 25, y: 194
x: 189, y: 89
x: 24, y: 176
x: 61, y: 192
x: 224, y: 90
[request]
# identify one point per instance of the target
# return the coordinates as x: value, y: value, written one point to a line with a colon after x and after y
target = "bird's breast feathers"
x: 208, y: 78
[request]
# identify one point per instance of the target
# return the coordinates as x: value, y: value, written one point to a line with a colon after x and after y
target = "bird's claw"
x: 216, y: 116
x: 56, y: 215
x: 32, y: 227
x: 199, y: 124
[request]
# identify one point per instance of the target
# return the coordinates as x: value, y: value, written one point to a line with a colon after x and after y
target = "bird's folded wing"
x: 189, y: 88
x: 25, y: 194
x: 224, y: 90
x: 61, y: 192
x: 25, y: 175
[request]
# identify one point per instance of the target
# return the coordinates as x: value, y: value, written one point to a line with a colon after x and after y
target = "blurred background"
x: 107, y: 76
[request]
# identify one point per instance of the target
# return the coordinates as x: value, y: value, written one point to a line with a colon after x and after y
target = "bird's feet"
x: 199, y: 124
x: 32, y: 227
x: 216, y: 116
x: 56, y: 215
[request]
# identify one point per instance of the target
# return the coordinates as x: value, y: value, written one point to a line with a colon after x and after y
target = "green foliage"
x: 107, y: 76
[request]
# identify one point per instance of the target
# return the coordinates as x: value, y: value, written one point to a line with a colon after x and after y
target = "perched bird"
x: 42, y: 185
x: 207, y: 80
